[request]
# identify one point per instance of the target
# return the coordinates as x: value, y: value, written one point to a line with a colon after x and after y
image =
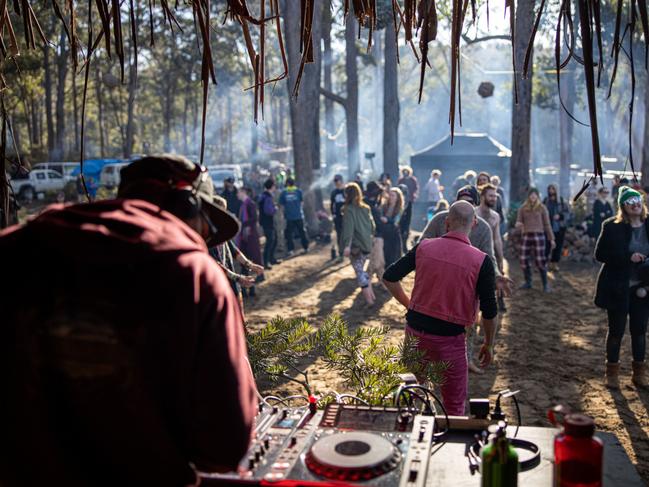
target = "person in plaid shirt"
x: 534, y: 222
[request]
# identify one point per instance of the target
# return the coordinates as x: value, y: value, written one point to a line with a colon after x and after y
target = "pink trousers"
x: 451, y: 350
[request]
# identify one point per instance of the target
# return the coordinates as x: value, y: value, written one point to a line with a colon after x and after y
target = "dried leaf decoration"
x: 412, y: 18
x: 585, y: 12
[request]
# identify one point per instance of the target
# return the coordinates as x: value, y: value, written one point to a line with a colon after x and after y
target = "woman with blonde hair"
x: 533, y: 220
x: 391, y: 212
x: 622, y: 248
x: 358, y: 228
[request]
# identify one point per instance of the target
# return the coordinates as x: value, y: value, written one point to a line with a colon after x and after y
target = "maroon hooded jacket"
x: 122, y: 351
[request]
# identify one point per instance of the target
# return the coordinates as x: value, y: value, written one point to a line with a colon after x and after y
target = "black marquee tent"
x: 476, y: 151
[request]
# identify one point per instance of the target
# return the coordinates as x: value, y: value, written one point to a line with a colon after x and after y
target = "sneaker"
x: 275, y: 261
x: 290, y: 253
x: 526, y: 285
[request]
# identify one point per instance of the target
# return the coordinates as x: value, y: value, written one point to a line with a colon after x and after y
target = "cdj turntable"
x: 342, y: 445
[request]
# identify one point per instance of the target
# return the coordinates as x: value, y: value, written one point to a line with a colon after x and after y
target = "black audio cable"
x: 425, y: 401
x: 498, y: 414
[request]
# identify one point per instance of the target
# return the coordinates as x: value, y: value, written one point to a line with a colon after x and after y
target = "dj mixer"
x: 342, y: 445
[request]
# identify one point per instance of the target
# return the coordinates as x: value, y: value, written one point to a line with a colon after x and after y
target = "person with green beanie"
x: 622, y: 248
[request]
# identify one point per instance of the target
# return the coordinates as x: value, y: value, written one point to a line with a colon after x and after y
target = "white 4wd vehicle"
x: 110, y: 175
x: 37, y: 181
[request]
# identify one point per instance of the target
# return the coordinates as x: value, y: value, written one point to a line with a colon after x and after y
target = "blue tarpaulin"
x: 92, y: 167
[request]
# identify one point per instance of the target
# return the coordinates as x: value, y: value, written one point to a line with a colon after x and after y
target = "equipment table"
x: 450, y: 466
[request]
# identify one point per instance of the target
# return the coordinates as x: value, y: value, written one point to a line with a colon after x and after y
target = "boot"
x: 640, y: 375
x: 544, y: 280
x: 612, y: 371
x: 527, y: 271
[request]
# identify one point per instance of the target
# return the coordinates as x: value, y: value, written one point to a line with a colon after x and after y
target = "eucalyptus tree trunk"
x: 62, y: 71
x: 305, y: 107
x: 566, y: 129
x: 49, y: 118
x: 645, y: 139
x: 75, y: 113
x: 521, y: 111
x: 100, y: 114
x: 390, y: 105
x: 129, y: 139
x: 351, y: 112
x: 327, y: 61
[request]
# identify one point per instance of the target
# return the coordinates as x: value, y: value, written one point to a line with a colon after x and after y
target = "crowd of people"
x: 120, y: 365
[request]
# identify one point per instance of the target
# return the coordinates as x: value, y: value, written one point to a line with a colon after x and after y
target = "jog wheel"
x: 352, y: 456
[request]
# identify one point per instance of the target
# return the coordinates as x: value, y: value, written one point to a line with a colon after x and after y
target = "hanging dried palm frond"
x: 428, y: 25
x: 414, y: 17
x: 306, y: 40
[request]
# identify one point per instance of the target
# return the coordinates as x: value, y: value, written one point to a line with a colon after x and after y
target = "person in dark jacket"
x: 559, y: 213
x: 622, y: 247
x: 336, y: 206
x: 391, y: 213
x: 230, y: 193
x: 115, y: 368
x: 291, y: 200
x: 410, y: 188
x: 602, y: 210
x: 267, y: 210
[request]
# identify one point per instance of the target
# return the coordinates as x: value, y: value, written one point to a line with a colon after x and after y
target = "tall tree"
x: 327, y: 63
x: 58, y: 151
x: 304, y: 107
x: 351, y: 105
x: 100, y: 113
x: 75, y: 113
x: 390, y: 105
x: 522, y: 111
x: 566, y: 129
x: 645, y: 139
x: 132, y: 88
x: 129, y: 139
x: 47, y: 85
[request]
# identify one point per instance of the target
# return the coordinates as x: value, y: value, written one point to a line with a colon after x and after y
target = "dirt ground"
x: 550, y: 346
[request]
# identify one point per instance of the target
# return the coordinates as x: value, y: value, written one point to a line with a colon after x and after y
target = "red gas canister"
x: 578, y: 454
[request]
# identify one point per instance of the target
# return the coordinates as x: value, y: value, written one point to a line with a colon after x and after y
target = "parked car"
x: 219, y: 175
x: 236, y: 169
x: 110, y: 174
x: 37, y: 181
x: 64, y: 168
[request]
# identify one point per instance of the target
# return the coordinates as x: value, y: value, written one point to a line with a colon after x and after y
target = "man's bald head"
x: 461, y: 217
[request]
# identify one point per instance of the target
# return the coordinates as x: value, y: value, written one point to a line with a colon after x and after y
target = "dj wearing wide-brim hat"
x: 181, y: 187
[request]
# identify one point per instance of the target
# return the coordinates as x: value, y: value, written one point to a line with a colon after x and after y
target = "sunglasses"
x: 634, y: 200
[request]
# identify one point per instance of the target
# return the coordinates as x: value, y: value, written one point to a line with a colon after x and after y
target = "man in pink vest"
x: 452, y: 280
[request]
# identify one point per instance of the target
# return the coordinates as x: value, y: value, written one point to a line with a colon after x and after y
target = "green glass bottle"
x: 499, y: 459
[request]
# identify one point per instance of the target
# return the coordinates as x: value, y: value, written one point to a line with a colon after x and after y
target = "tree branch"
x: 475, y: 40
x: 332, y: 96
